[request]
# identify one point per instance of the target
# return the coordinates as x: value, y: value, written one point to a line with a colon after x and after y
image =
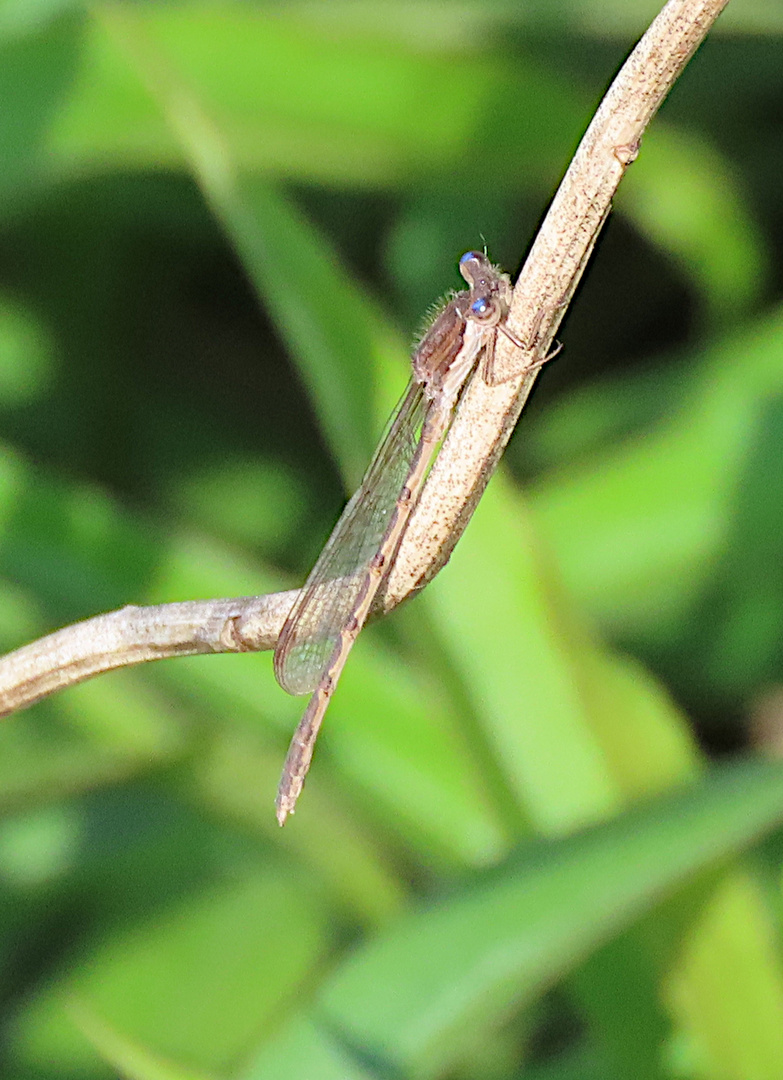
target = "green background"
x: 541, y: 835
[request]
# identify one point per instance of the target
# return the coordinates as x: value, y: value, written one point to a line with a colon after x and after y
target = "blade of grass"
x: 417, y: 997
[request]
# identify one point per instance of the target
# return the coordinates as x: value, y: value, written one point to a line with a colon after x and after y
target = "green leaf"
x: 131, y: 1060
x: 703, y: 220
x: 654, y: 513
x: 418, y: 996
x: 194, y: 983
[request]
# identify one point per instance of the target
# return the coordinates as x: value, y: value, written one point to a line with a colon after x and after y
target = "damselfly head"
x: 489, y: 289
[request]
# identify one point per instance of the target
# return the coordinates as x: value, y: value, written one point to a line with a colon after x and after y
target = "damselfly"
x: 331, y: 609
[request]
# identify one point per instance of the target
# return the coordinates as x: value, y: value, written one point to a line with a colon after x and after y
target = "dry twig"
x: 483, y: 425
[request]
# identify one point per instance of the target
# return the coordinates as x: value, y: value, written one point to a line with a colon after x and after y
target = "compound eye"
x: 481, y: 308
x: 475, y: 268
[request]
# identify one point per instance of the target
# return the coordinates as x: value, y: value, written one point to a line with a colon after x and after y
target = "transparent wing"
x: 327, y: 601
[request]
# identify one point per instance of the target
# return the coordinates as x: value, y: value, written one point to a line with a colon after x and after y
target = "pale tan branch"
x: 134, y: 635
x: 546, y: 284
x: 485, y: 418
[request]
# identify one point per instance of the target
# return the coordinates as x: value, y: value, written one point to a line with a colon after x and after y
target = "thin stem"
x: 483, y: 424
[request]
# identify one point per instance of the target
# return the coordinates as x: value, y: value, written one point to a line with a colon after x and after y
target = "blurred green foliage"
x: 219, y: 227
